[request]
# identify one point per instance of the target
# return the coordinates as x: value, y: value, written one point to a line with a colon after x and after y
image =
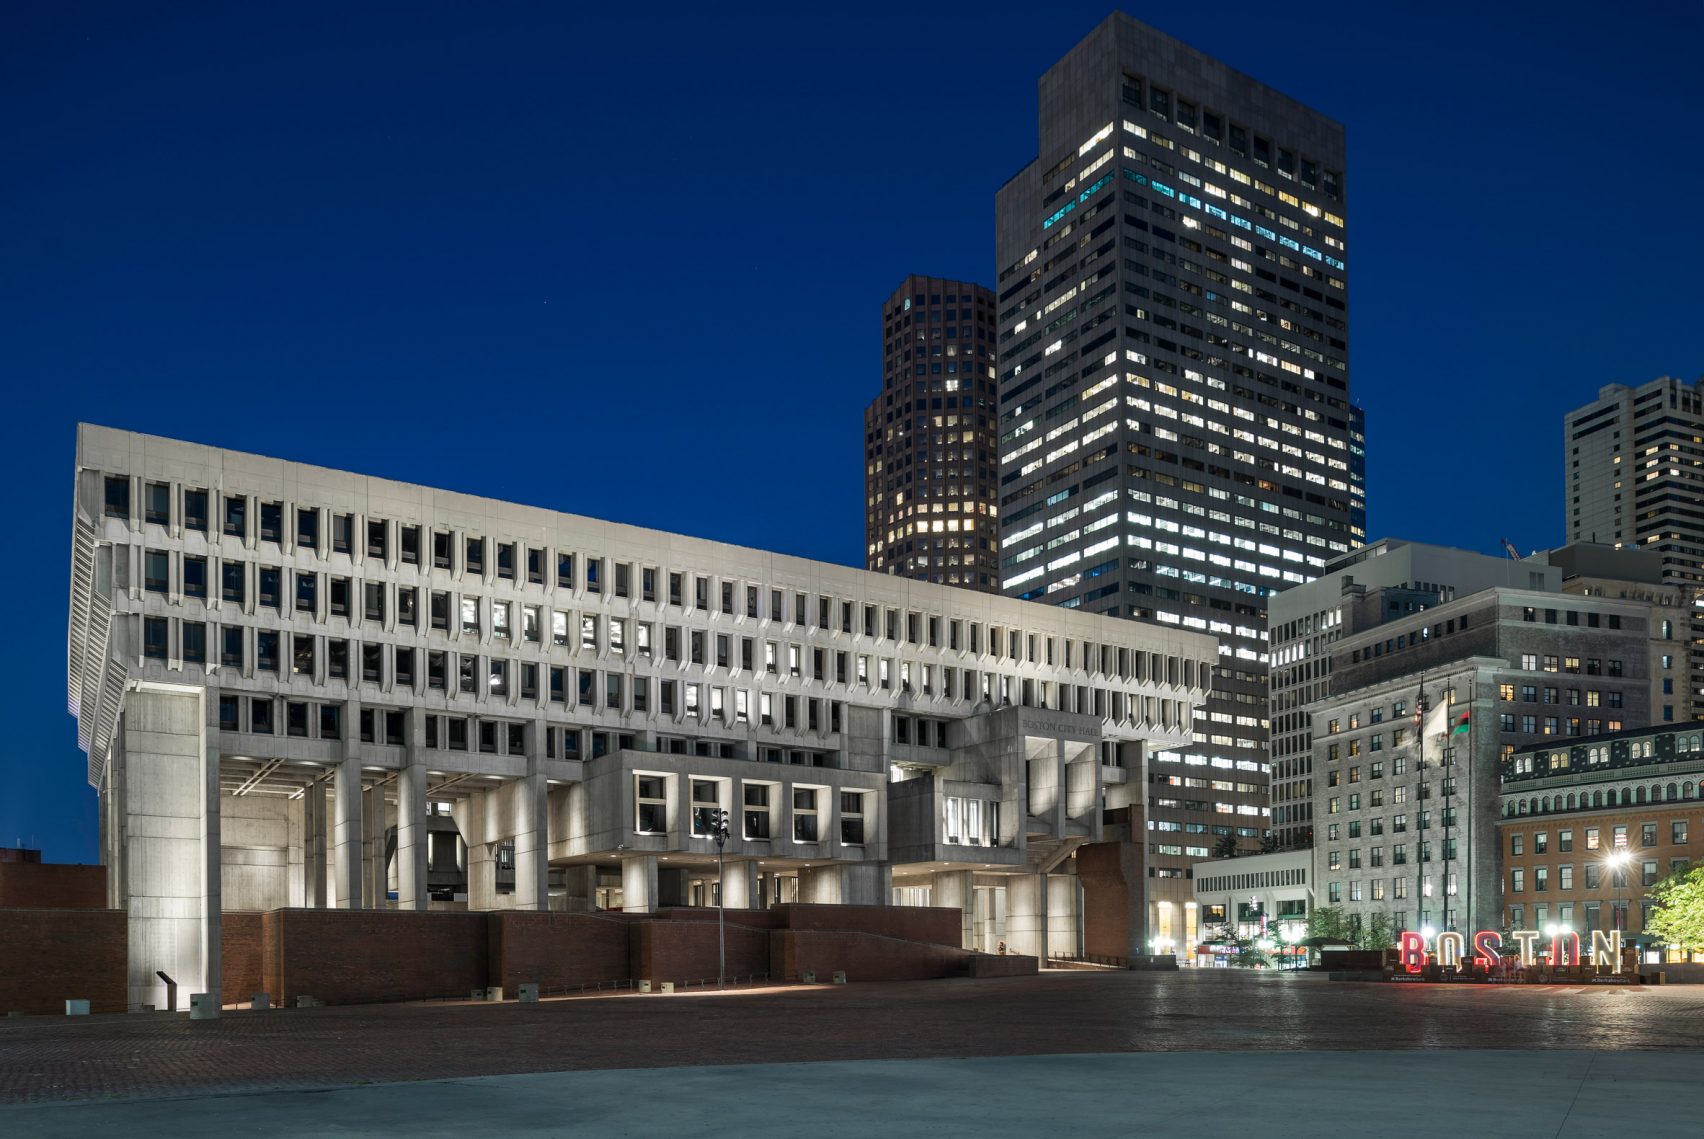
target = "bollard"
x: 644, y: 986
x: 667, y: 987
x: 840, y: 976
x: 76, y: 1008
x: 203, y: 1006
x: 529, y: 993
x: 260, y: 1000
x: 494, y: 993
x: 808, y: 976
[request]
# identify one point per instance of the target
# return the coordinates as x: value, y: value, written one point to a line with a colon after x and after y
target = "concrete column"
x: 740, y: 887
x: 639, y: 884
x: 170, y: 832
x: 474, y: 822
x: 953, y: 888
x: 1026, y: 914
x: 582, y: 889
x: 347, y: 810
x: 411, y: 808
x: 673, y: 889
x: 531, y: 826
x: 820, y: 885
x: 1063, y: 926
x: 315, y: 895
x: 375, y: 880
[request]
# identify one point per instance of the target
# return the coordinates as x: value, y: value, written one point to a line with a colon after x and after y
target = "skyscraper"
x: 929, y: 454
x: 1635, y: 467
x: 1176, y: 434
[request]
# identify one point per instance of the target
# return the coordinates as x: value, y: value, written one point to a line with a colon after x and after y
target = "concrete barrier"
x: 528, y: 993
x: 667, y: 987
x: 203, y: 1006
x: 840, y: 976
x: 644, y: 986
x: 260, y: 1001
x: 77, y: 1008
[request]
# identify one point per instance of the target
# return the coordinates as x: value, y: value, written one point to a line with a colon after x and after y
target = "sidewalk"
x: 1276, y: 1095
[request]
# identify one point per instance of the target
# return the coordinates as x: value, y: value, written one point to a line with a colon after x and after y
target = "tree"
x: 1226, y: 847
x: 1678, y: 914
x: 1376, y: 932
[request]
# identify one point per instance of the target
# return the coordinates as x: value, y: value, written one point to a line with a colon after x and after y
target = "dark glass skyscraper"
x: 1176, y: 435
x: 929, y: 454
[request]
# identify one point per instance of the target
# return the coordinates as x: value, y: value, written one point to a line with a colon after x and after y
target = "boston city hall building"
x: 300, y: 687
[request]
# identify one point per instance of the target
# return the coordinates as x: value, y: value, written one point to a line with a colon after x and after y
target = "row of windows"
x: 624, y: 580
x: 759, y: 809
x: 320, y: 659
x: 1619, y: 835
x: 1624, y: 796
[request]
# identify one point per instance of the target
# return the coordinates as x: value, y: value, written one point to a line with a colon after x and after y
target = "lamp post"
x: 719, y: 831
x: 1617, y: 860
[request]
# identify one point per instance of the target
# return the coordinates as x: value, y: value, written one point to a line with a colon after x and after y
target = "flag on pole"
x: 1438, y: 719
x: 1459, y: 722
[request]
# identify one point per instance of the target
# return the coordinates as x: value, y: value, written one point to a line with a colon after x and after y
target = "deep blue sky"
x: 629, y: 262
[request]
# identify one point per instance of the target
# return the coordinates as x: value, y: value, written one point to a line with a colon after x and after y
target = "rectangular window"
x: 236, y: 516
x: 157, y: 503
x: 804, y: 814
x: 755, y: 816
x: 650, y: 797
x: 195, y: 510
x: 155, y: 571
x: 852, y: 818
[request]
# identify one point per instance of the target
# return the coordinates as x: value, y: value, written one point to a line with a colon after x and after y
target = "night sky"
x: 632, y: 266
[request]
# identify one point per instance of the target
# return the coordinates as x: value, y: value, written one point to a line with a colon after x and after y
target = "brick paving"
x: 149, y: 1056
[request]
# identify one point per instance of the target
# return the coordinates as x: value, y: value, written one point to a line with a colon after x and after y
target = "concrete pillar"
x: 170, y: 831
x: 866, y: 883
x: 411, y: 833
x: 819, y: 885
x: 531, y: 826
x: 1063, y: 927
x: 639, y: 884
x: 953, y: 888
x: 673, y: 887
x: 315, y: 894
x: 581, y: 893
x: 1026, y: 914
x: 345, y: 855
x: 472, y: 816
x: 375, y: 880
x: 740, y: 887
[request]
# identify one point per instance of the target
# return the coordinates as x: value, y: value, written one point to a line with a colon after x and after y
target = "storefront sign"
x: 1565, y: 948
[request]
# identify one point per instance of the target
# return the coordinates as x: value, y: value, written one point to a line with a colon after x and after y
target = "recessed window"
x: 117, y: 503
x: 236, y: 516
x: 157, y: 503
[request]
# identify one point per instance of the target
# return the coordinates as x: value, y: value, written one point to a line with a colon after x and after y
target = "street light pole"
x: 719, y: 828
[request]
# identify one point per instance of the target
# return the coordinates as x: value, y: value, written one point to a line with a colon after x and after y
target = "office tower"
x: 1409, y: 833
x: 285, y: 677
x: 1635, y: 467
x: 1176, y: 435
x: 1634, y: 460
x: 1306, y: 622
x: 930, y: 503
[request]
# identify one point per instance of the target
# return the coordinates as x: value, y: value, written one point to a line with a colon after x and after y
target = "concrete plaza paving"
x: 1059, y: 1054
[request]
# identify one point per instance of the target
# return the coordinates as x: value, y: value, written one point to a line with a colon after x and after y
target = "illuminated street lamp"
x: 1617, y: 860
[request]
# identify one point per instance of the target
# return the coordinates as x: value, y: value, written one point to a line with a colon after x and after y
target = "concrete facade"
x: 1177, y: 438
x: 289, y: 678
x: 1258, y: 897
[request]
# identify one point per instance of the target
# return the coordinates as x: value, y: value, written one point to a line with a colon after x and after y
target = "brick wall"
x: 686, y: 950
x: 864, y: 956
x: 242, y: 958
x: 50, y: 956
x: 558, y: 950
x: 52, y: 885
x: 360, y: 956
x: 938, y: 925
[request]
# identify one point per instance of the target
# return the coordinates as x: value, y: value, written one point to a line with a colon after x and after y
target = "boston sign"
x: 1565, y: 948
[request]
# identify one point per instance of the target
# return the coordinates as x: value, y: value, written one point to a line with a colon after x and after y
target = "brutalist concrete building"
x: 287, y: 677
